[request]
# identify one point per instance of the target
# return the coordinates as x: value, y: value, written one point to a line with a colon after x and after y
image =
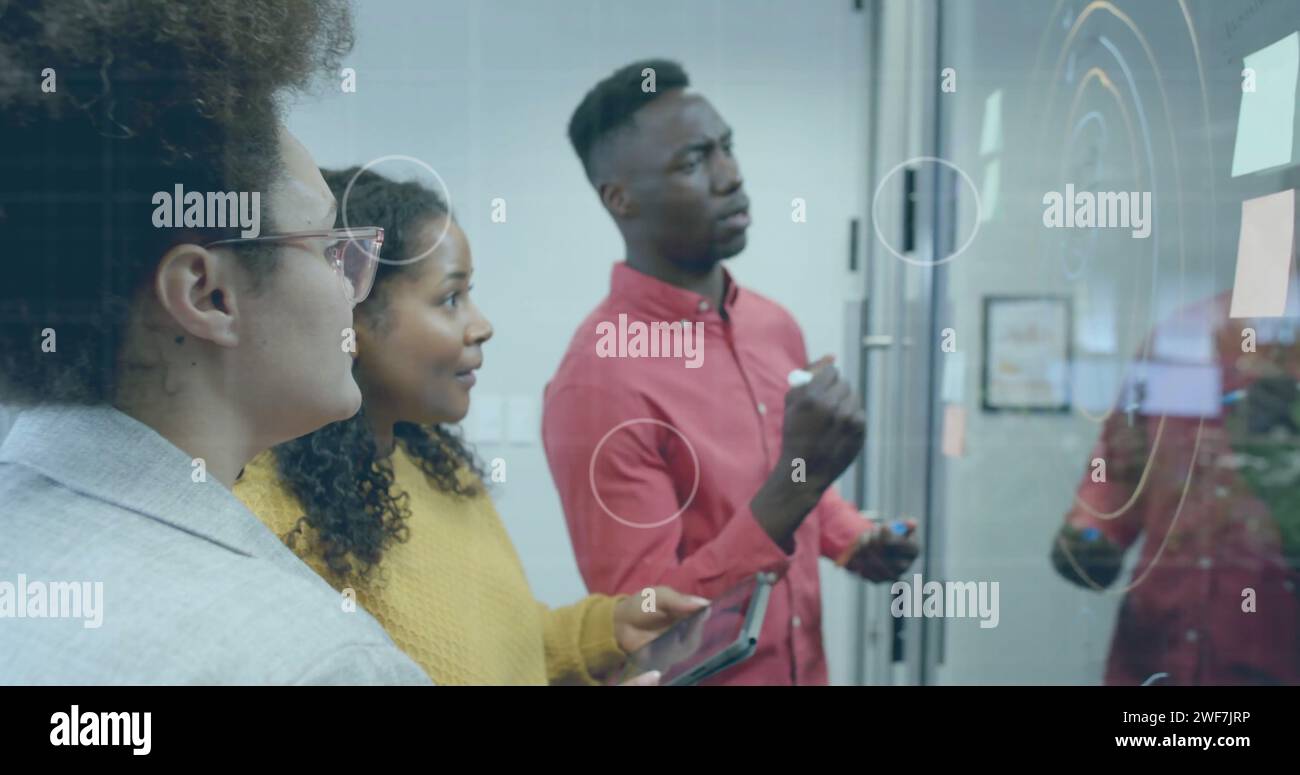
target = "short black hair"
x: 611, y: 103
x: 103, y: 103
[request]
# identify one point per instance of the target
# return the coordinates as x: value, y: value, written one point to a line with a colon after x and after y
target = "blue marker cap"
x: 1091, y: 534
x: 899, y: 527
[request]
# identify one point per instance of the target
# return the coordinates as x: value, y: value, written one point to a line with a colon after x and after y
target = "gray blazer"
x: 192, y: 588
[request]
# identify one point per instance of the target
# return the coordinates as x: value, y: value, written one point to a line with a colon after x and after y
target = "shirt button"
x: 796, y: 622
x: 1192, y: 635
x: 762, y: 408
x: 704, y: 306
x: 1205, y: 562
x: 1220, y: 491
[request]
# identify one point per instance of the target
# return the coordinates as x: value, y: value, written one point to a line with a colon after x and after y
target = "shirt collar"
x: 106, y: 454
x: 655, y: 298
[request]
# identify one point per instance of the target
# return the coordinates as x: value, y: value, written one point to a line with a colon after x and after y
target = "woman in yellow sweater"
x: 390, y: 506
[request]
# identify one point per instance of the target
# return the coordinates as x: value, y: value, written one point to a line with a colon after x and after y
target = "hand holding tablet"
x: 709, y: 641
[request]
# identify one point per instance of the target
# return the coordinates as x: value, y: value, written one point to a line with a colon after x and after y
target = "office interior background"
x: 897, y: 154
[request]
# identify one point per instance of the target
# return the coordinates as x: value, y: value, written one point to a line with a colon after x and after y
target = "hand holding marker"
x: 801, y: 377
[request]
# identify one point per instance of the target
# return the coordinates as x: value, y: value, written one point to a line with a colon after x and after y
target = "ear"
x: 617, y: 200
x: 198, y: 289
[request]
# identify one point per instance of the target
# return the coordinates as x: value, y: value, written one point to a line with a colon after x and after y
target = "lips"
x: 736, y: 221
x: 735, y: 217
x: 467, y: 378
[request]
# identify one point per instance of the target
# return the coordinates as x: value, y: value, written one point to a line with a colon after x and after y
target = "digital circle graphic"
x: 446, y: 194
x: 1107, y: 67
x: 875, y: 200
x: 595, y: 454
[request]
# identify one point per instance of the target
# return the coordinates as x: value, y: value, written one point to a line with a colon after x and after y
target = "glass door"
x: 901, y: 253
x: 1109, y: 439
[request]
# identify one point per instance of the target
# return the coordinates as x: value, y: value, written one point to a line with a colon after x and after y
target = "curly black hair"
x: 336, y: 472
x: 103, y: 103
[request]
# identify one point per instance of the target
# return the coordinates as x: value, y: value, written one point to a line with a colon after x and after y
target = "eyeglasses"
x: 354, y: 254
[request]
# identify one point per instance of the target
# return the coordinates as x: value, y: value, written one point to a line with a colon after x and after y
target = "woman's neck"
x: 383, y: 430
x: 221, y: 439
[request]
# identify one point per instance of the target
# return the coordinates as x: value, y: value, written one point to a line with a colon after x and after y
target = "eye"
x: 455, y: 298
x: 334, y: 252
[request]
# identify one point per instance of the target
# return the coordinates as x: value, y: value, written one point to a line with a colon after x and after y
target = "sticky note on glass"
x: 1179, y: 389
x: 1264, y: 252
x: 989, y: 190
x: 954, y: 430
x: 1266, y: 123
x: 991, y: 133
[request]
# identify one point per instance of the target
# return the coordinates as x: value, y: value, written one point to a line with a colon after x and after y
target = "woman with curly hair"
x: 152, y: 358
x: 391, y: 505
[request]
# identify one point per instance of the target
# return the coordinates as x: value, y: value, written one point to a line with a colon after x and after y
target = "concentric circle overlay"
x: 591, y: 472
x: 875, y: 200
x: 1074, y: 26
x: 446, y: 197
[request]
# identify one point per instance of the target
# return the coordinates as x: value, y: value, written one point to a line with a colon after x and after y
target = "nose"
x: 479, y: 329
x: 726, y: 177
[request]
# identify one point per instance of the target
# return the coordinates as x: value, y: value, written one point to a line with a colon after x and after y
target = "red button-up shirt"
x: 657, y: 458
x: 1209, y: 535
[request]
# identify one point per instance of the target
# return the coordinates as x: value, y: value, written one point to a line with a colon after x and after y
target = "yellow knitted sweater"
x: 454, y: 596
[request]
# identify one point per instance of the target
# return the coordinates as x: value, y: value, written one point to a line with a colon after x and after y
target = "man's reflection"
x: 1213, y: 598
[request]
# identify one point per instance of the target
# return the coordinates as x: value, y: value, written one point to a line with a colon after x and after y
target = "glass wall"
x: 1115, y: 405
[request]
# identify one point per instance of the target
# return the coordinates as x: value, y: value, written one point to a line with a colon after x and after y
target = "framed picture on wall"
x: 1027, y: 350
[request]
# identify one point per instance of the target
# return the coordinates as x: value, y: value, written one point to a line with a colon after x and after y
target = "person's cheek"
x: 344, y: 329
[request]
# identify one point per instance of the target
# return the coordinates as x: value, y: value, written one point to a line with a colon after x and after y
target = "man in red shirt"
x: 1202, y: 460
x: 681, y: 454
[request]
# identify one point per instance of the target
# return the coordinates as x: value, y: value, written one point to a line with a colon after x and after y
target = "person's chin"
x: 452, y: 406
x: 311, y: 413
x: 350, y: 401
x: 458, y: 408
x: 732, y: 246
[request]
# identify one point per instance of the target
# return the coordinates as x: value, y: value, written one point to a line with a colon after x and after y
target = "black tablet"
x: 720, y: 635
